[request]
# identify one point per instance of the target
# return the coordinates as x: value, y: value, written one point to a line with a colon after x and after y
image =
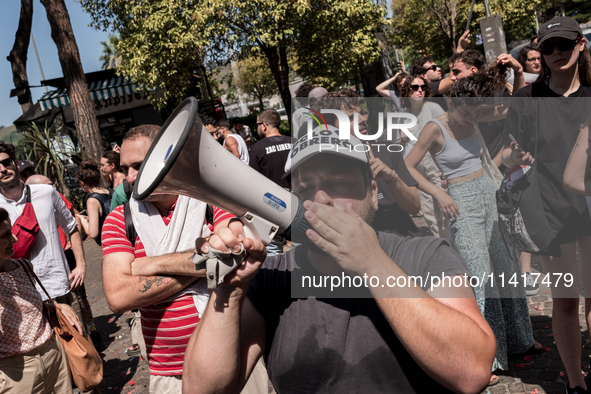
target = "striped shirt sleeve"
x: 219, y: 215
x: 113, y: 237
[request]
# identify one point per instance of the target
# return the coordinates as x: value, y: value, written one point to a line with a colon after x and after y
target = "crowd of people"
x: 260, y: 325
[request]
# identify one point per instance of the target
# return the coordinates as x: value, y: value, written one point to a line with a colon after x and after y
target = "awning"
x: 112, y: 87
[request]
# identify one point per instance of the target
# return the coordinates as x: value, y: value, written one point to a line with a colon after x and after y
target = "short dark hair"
x: 452, y: 59
x: 4, y: 215
x: 207, y: 120
x: 417, y: 66
x: 146, y: 130
x: 113, y: 158
x: 238, y: 120
x: 406, y: 91
x: 89, y: 173
x: 8, y: 148
x: 270, y: 117
x: 223, y: 123
x: 471, y: 58
x: 522, y: 57
x: 304, y: 90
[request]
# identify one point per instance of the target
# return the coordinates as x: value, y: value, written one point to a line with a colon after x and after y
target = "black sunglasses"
x: 432, y: 68
x: 417, y: 87
x: 361, y: 113
x: 562, y: 44
x: 6, y: 162
x: 260, y: 123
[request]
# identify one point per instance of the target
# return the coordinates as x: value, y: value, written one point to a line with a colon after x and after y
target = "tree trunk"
x: 371, y: 77
x: 67, y: 49
x: 261, y: 102
x: 18, y: 54
x: 452, y: 40
x: 277, y: 57
x: 385, y: 62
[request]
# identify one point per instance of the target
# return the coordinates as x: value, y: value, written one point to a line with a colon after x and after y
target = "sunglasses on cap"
x: 432, y: 68
x: 417, y: 87
x: 562, y: 44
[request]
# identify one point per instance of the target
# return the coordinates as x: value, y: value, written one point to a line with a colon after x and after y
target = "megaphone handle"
x: 218, y: 264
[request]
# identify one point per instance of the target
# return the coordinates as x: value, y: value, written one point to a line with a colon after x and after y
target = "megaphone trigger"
x: 218, y: 264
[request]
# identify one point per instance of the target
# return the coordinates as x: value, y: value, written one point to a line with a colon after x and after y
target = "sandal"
x: 133, y: 351
x: 537, y: 348
x: 494, y: 379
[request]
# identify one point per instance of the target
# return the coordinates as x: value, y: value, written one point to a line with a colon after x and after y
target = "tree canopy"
x: 255, y: 78
x: 162, y: 41
x: 425, y: 26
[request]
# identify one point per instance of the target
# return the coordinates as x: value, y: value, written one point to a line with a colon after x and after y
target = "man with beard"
x: 268, y: 156
x: 341, y: 345
x: 49, y: 211
x: 139, y: 270
x: 233, y: 143
x: 426, y: 68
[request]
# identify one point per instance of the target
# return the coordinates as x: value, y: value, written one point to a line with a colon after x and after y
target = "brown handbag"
x: 84, y: 361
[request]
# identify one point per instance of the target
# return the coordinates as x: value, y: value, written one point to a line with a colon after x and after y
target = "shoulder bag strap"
x: 22, y: 265
x: 28, y: 193
x: 29, y: 271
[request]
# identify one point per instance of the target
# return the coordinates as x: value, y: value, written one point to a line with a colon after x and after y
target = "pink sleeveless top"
x: 22, y: 324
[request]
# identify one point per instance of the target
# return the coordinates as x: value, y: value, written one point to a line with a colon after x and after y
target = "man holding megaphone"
x: 416, y: 338
x: 146, y: 272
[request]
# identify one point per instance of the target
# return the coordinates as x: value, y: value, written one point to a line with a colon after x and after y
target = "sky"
x: 89, y: 45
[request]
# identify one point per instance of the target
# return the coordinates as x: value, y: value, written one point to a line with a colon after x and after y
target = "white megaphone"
x: 185, y: 159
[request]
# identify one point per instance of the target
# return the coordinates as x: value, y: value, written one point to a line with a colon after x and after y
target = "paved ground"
x: 536, y: 373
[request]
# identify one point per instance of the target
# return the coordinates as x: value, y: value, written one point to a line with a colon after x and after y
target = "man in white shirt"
x: 242, y: 130
x: 46, y: 255
x: 233, y: 142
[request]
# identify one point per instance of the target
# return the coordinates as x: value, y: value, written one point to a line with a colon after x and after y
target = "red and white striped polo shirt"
x: 167, y: 327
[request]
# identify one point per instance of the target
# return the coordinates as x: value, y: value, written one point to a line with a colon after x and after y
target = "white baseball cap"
x: 326, y: 141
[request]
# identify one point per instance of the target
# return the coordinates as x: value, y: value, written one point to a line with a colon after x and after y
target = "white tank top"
x: 458, y: 157
x: 242, y: 147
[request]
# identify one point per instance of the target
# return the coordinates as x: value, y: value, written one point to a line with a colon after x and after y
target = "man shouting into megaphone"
x: 417, y: 338
x: 145, y: 247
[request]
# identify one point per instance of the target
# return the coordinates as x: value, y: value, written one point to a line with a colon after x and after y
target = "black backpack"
x: 105, y: 201
x: 127, y: 188
x: 130, y: 232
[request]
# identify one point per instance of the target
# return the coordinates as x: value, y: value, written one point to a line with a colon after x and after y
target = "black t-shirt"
x: 343, y: 345
x: 269, y: 155
x: 492, y: 132
x: 395, y: 161
x: 559, y: 120
x: 435, y: 88
x: 390, y: 216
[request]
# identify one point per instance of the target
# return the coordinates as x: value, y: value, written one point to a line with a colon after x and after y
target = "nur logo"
x: 394, y: 121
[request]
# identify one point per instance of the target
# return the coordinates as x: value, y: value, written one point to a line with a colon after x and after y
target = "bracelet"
x: 393, y: 178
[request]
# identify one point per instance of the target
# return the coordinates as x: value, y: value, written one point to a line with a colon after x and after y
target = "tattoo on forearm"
x: 151, y: 280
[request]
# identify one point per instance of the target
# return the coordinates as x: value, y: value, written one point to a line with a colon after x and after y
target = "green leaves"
x: 255, y: 78
x: 49, y: 162
x: 162, y: 41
